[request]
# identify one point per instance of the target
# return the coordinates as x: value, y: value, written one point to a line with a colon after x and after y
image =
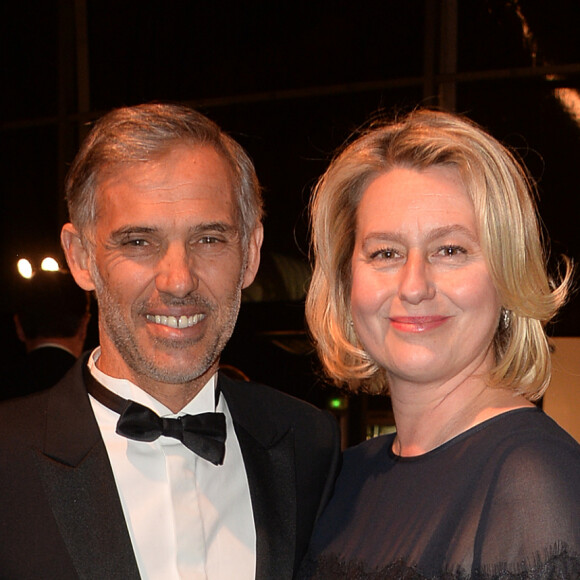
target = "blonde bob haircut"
x: 509, y: 231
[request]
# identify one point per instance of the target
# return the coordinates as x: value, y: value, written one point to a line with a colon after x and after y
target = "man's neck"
x: 174, y: 396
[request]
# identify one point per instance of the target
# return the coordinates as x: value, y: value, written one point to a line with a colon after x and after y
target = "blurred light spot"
x: 570, y: 101
x: 338, y: 403
x: 527, y: 35
x: 49, y: 265
x: 24, y: 268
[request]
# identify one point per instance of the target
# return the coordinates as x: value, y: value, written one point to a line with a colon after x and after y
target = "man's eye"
x: 208, y: 240
x: 136, y: 243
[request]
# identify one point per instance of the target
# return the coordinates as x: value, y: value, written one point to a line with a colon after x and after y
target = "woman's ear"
x: 78, y: 257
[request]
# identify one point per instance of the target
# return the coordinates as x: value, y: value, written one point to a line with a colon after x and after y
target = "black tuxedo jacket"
x: 61, y: 516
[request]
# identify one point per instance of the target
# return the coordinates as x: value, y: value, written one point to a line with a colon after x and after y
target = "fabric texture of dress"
x: 500, y: 501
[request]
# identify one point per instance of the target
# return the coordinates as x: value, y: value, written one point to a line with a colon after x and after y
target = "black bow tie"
x: 204, y: 434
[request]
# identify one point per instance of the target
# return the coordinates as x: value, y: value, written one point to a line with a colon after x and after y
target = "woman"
x: 430, y: 285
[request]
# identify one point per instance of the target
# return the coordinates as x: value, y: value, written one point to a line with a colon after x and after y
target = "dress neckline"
x: 460, y: 437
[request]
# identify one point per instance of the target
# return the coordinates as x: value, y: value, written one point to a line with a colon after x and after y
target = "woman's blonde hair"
x: 510, y: 236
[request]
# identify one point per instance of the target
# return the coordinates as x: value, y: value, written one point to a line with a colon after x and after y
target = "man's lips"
x: 417, y: 323
x: 182, y: 321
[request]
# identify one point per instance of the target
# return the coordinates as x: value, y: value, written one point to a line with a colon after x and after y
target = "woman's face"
x: 423, y: 303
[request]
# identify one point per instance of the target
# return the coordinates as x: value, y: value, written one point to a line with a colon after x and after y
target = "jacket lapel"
x: 80, y: 486
x: 268, y: 452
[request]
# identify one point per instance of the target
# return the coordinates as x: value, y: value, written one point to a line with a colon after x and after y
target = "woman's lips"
x: 417, y: 323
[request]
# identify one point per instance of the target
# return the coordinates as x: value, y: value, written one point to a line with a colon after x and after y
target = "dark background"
x: 290, y: 81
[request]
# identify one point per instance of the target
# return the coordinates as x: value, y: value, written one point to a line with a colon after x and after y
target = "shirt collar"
x: 203, y: 402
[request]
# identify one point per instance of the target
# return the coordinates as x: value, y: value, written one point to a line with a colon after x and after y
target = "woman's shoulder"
x: 518, y: 429
x: 536, y: 447
x: 530, y: 432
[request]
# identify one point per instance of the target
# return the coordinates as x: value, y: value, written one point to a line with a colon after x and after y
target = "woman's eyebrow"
x: 435, y: 234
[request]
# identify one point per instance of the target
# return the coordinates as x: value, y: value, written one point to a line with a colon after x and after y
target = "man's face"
x: 168, y: 267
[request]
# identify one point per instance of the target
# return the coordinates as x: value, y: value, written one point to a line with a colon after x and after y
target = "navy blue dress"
x: 500, y: 501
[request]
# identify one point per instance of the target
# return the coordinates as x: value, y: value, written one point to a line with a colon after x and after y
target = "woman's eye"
x: 450, y: 251
x: 384, y: 254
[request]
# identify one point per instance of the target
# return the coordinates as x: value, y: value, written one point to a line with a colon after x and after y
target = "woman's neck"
x: 428, y: 416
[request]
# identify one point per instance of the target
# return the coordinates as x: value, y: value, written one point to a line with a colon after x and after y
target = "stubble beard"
x: 113, y: 323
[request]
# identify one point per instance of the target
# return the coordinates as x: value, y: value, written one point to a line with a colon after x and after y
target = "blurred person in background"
x: 51, y: 318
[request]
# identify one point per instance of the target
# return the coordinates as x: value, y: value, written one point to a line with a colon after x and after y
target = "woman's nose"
x: 416, y: 284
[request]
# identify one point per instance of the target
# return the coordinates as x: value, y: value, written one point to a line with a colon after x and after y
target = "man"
x: 166, y: 229
x: 51, y: 318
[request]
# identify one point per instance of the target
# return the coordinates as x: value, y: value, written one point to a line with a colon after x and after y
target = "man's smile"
x: 175, y: 321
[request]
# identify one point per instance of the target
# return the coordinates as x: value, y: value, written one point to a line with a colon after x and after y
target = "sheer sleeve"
x: 499, y: 502
x: 536, y: 491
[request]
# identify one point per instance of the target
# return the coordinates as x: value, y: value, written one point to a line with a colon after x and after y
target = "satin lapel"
x: 80, y: 485
x: 268, y: 451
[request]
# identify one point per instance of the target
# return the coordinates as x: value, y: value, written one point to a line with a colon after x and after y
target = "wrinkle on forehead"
x: 164, y: 167
x: 185, y: 174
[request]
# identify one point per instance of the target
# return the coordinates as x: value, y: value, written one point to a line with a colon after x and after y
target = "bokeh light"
x: 49, y: 264
x: 24, y: 268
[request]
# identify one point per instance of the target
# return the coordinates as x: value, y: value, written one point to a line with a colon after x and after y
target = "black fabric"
x: 204, y: 434
x: 500, y: 501
x: 291, y: 453
x: 40, y: 369
x: 61, y: 514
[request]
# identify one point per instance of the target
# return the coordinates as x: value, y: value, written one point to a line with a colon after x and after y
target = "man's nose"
x: 415, y: 283
x: 176, y: 272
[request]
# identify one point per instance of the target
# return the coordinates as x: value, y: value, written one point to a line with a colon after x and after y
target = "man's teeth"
x: 174, y: 321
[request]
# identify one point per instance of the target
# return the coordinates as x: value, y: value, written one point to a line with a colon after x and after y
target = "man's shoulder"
x: 264, y: 397
x: 26, y: 415
x: 22, y: 420
x: 252, y: 403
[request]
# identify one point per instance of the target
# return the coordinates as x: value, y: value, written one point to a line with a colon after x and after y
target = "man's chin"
x: 169, y: 344
x: 189, y: 367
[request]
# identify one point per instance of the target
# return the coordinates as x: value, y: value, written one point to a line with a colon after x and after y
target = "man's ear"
x: 253, y: 262
x: 77, y: 256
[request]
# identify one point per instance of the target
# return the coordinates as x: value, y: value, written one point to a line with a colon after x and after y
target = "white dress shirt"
x: 187, y: 518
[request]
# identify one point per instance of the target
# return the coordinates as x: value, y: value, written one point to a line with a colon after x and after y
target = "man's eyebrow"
x: 127, y: 231
x: 204, y: 227
x: 223, y: 227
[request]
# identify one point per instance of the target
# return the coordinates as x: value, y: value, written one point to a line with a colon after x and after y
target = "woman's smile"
x: 417, y: 323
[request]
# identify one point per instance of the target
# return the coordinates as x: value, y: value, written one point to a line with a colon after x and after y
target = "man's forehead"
x: 187, y: 181
x: 113, y: 169
x: 197, y: 170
